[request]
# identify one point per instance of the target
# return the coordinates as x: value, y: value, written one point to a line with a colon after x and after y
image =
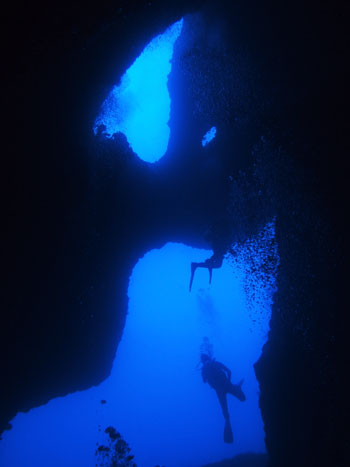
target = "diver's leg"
x: 228, y: 435
x: 210, y: 264
x: 213, y: 263
x: 223, y: 403
x: 236, y: 390
x: 193, y: 270
x: 194, y: 266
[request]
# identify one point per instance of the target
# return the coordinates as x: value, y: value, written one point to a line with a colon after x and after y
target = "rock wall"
x: 74, y: 211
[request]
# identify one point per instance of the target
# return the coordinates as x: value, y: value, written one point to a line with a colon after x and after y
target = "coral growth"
x: 116, y: 453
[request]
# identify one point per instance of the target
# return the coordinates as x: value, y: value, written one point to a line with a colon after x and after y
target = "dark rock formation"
x: 77, y: 219
x: 116, y: 453
x: 243, y: 460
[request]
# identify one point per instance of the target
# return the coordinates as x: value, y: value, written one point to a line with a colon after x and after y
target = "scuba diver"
x: 219, y: 236
x: 218, y: 376
x: 215, y: 261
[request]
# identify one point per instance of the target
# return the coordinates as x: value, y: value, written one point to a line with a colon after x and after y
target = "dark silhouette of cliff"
x: 243, y: 460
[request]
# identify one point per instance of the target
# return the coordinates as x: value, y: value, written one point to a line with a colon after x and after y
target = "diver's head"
x: 205, y: 358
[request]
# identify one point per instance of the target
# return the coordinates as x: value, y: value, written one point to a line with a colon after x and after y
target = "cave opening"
x: 155, y: 396
x: 139, y: 107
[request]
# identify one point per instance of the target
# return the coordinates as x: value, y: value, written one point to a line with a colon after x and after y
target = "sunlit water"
x: 155, y: 395
x: 209, y: 136
x: 139, y: 107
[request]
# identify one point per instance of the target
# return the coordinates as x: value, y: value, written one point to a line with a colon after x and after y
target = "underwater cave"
x: 155, y: 394
x: 129, y: 180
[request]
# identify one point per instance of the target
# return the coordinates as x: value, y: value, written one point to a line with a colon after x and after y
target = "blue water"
x: 209, y: 136
x: 139, y: 107
x: 155, y: 395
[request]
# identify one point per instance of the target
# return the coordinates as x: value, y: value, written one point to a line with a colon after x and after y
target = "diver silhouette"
x: 218, y: 376
x: 214, y: 262
x: 219, y: 236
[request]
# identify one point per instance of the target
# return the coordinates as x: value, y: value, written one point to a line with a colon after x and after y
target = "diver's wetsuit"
x: 218, y: 377
x: 211, y: 263
x: 220, y: 239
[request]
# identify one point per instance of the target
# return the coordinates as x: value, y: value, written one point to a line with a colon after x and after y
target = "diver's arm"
x: 227, y: 370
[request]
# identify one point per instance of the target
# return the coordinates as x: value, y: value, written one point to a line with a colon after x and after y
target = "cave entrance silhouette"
x: 154, y: 395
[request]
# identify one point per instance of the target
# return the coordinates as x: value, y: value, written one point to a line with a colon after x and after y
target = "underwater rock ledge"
x: 242, y: 460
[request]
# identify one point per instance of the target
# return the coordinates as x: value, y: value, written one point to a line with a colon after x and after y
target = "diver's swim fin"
x: 210, y: 274
x: 193, y: 270
x: 236, y: 390
x: 228, y: 435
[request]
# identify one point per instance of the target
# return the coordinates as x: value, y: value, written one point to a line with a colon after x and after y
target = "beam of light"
x: 209, y: 136
x: 139, y: 107
x: 155, y: 395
